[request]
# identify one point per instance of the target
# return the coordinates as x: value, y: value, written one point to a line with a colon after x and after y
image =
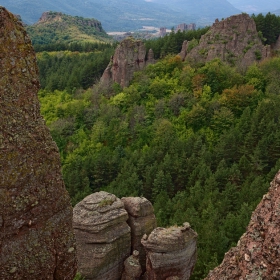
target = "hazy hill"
x: 202, y: 8
x: 54, y: 28
x: 117, y: 15
x: 256, y: 6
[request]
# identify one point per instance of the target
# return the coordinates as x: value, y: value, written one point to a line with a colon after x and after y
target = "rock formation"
x: 234, y: 40
x: 36, y: 236
x: 103, y: 236
x: 130, y: 56
x: 50, y: 17
x: 276, y: 46
x: 256, y: 255
x: 171, y: 253
x: 132, y: 267
x: 141, y: 220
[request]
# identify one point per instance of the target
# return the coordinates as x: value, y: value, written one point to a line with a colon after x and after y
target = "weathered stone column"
x: 171, y: 253
x: 36, y: 236
x: 103, y: 236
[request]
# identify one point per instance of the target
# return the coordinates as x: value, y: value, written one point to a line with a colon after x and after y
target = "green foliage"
x: 172, y: 43
x: 202, y: 143
x: 60, y: 29
x: 78, y: 277
x: 268, y: 27
x: 67, y: 70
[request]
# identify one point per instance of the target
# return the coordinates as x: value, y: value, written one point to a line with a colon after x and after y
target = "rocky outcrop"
x: 141, y: 220
x: 130, y: 56
x: 103, y: 236
x: 234, y: 40
x: 256, y: 255
x: 276, y: 46
x: 36, y: 236
x: 171, y: 253
x: 51, y: 17
x: 132, y: 267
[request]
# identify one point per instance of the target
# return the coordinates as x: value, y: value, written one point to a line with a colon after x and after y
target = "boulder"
x: 132, y: 267
x: 256, y: 255
x: 234, y: 40
x: 36, y: 236
x: 171, y: 253
x: 141, y: 220
x: 103, y: 236
x: 129, y: 57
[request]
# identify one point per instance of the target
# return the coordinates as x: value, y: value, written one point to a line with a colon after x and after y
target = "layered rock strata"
x: 234, y: 40
x: 129, y: 57
x: 36, y: 236
x: 141, y: 220
x: 171, y: 253
x: 256, y: 255
x: 103, y: 236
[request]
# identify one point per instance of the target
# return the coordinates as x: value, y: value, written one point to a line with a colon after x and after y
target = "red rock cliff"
x: 130, y: 56
x: 36, y: 236
x: 256, y: 255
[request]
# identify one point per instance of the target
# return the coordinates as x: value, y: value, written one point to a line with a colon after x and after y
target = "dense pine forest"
x: 201, y: 142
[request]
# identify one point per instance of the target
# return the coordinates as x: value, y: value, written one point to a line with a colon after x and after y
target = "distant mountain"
x: 55, y: 27
x: 256, y: 6
x: 201, y: 8
x: 125, y: 15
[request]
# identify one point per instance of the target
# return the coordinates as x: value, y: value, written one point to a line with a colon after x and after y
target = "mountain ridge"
x: 126, y: 15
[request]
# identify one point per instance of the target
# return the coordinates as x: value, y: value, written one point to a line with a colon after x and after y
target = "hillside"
x: 126, y: 15
x: 57, y: 28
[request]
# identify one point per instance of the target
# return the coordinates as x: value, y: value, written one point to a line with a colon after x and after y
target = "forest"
x: 201, y: 142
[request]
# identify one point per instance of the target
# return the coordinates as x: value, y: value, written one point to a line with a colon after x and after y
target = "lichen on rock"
x: 36, y: 215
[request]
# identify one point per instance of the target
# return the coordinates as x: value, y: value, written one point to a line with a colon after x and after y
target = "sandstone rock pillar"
x: 36, y: 236
x: 171, y: 253
x: 141, y: 220
x: 103, y: 236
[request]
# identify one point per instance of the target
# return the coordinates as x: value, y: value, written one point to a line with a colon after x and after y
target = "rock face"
x: 234, y: 40
x: 103, y: 236
x: 36, y: 237
x: 256, y: 255
x: 141, y: 220
x: 171, y: 253
x: 130, y: 56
